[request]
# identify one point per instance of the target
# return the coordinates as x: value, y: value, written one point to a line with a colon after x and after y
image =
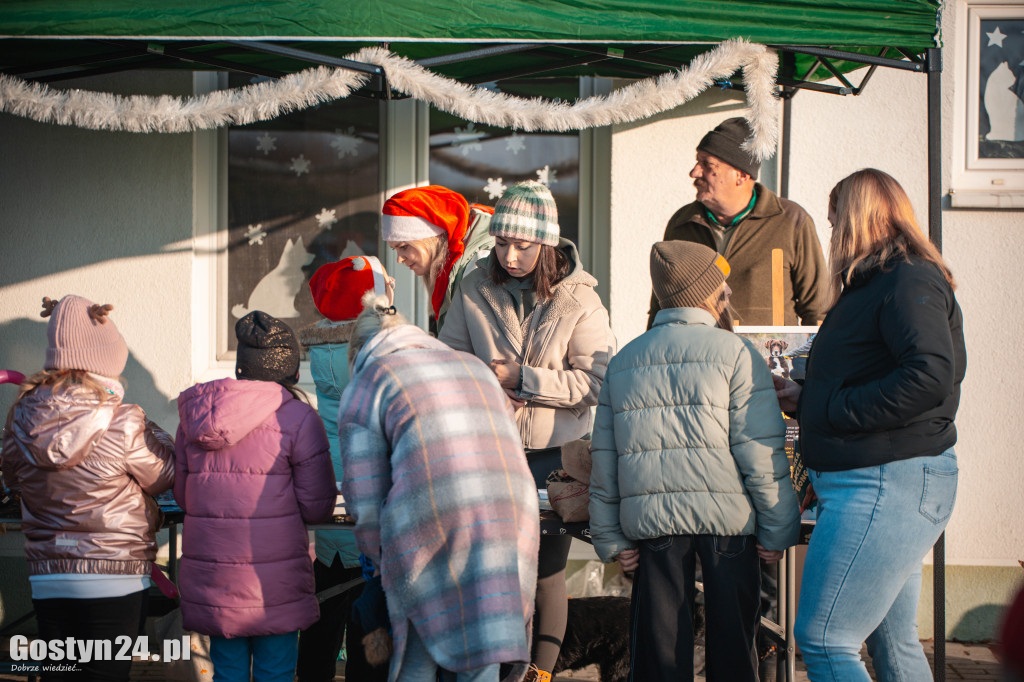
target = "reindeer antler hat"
x: 81, y: 335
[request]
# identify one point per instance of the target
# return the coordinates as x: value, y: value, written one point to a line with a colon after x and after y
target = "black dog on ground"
x: 597, y: 633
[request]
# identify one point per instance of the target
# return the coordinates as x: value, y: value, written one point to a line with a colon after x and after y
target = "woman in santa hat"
x: 438, y: 235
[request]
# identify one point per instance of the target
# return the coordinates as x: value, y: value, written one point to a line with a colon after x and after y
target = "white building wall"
x: 107, y: 216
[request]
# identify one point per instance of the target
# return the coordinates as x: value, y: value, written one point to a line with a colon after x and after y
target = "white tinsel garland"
x: 266, y: 100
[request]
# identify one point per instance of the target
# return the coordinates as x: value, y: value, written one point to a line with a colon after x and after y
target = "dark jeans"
x: 320, y: 643
x: 661, y: 632
x: 107, y: 618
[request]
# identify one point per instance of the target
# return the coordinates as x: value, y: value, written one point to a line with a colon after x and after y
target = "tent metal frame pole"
x: 306, y: 56
x: 479, y: 54
x: 829, y: 53
x: 933, y: 61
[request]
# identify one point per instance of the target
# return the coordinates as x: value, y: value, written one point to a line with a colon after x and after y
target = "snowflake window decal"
x: 468, y: 138
x: 546, y: 175
x: 345, y: 142
x: 494, y: 188
x: 515, y: 144
x: 255, y: 234
x: 326, y: 218
x: 266, y: 143
x: 300, y: 164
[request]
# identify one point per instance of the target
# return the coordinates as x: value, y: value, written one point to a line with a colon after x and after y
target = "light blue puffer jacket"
x: 328, y: 365
x: 689, y: 440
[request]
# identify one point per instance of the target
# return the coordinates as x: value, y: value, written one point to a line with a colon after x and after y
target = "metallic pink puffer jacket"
x: 86, y: 471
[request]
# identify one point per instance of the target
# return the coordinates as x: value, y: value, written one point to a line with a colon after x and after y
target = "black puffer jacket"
x: 884, y: 373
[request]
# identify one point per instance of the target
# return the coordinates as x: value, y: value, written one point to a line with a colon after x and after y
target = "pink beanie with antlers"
x: 80, y: 335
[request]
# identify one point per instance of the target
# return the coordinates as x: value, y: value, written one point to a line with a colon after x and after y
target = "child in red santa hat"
x: 438, y: 235
x: 337, y: 290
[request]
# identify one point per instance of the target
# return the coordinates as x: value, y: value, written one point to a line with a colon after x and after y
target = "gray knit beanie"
x: 267, y: 349
x: 725, y: 143
x: 526, y: 212
x: 685, y: 274
x: 80, y: 335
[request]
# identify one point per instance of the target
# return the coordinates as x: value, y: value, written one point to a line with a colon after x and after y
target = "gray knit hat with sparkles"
x: 267, y: 349
x: 685, y: 274
x: 725, y: 142
x: 526, y: 212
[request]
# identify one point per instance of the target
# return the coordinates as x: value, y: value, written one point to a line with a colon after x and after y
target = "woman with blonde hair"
x: 438, y: 235
x: 877, y: 430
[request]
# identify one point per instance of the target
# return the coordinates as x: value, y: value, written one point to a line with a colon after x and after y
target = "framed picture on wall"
x: 988, y: 153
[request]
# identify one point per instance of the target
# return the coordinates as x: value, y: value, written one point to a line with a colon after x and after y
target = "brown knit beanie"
x: 685, y: 274
x: 725, y: 142
x: 267, y: 349
x: 80, y: 335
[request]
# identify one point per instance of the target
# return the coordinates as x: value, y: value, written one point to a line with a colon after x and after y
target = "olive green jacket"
x: 774, y: 223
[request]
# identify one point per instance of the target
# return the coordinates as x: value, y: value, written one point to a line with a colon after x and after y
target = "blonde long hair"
x: 58, y: 379
x: 437, y: 248
x: 874, y: 218
x: 718, y: 305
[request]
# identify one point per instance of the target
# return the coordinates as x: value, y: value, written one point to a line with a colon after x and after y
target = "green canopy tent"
x: 487, y: 41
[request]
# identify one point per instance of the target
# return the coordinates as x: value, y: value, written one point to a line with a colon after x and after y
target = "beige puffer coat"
x: 86, y: 471
x: 564, y: 351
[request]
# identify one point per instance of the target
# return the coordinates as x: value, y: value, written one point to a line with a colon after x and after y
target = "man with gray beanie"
x: 769, y: 241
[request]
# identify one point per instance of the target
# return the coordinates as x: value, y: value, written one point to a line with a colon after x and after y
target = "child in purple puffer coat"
x: 252, y: 469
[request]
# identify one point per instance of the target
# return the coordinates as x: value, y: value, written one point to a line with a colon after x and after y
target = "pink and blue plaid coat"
x: 444, y: 501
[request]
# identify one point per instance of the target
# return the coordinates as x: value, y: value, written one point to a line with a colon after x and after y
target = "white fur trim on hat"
x: 407, y: 228
x: 379, y: 280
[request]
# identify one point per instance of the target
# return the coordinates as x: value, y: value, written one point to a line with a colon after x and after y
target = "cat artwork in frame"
x: 988, y: 149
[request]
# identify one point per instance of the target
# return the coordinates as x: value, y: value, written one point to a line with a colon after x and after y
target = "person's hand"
x: 788, y: 392
x: 809, y: 497
x: 629, y: 560
x: 769, y: 555
x: 516, y: 401
x: 506, y: 371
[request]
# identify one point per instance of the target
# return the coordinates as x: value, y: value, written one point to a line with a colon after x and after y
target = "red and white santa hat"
x: 424, y: 212
x: 338, y: 287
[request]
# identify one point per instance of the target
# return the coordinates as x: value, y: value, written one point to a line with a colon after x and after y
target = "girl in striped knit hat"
x: 532, y: 314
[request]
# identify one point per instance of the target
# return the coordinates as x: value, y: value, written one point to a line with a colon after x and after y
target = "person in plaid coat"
x: 444, y: 502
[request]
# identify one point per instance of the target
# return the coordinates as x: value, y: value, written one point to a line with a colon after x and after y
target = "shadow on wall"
x: 978, y: 619
x: 23, y: 348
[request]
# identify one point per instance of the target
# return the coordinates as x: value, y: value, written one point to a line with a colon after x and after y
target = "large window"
x: 480, y: 162
x: 302, y: 190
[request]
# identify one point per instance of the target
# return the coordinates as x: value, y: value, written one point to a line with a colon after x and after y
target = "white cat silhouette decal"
x: 275, y: 293
x: 1005, y: 110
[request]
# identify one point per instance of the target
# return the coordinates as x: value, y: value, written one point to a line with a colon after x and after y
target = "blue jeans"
x: 418, y: 666
x: 862, y: 576
x: 271, y: 657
